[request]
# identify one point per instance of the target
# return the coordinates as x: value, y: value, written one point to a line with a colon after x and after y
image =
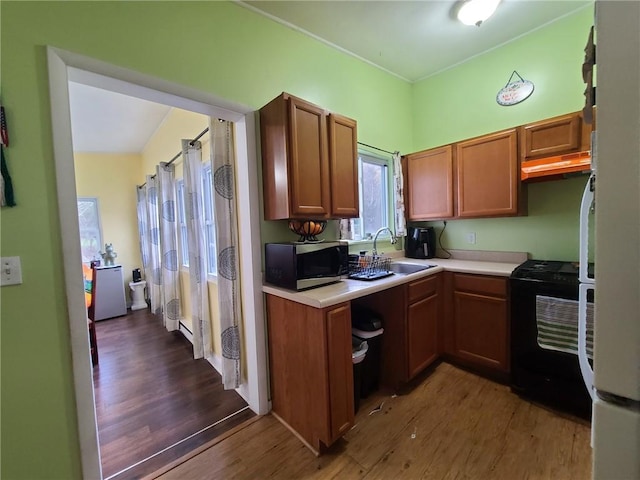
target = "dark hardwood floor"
x: 151, y: 394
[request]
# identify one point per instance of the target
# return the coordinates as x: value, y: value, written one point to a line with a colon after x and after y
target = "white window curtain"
x: 143, y: 228
x: 347, y: 229
x: 223, y: 178
x: 169, y: 281
x: 398, y: 191
x: 193, y: 198
x: 153, y: 243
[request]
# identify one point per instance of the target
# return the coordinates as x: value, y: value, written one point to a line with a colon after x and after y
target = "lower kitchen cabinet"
x: 477, y: 328
x: 422, y: 324
x: 311, y: 371
x: 410, y: 316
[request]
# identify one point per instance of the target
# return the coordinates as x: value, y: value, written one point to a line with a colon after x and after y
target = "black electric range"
x: 549, y: 271
x: 544, y: 375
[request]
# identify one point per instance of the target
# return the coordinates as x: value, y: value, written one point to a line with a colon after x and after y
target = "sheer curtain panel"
x: 169, y: 282
x: 223, y: 178
x: 143, y: 228
x: 192, y: 155
x: 398, y: 193
x: 153, y: 244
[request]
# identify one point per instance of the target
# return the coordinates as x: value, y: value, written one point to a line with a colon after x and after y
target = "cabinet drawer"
x: 480, y: 284
x: 422, y: 288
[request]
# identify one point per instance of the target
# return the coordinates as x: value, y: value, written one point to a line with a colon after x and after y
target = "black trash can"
x: 370, y: 369
x: 367, y: 326
x: 358, y: 355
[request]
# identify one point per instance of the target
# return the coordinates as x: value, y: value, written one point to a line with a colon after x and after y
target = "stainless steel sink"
x: 407, y: 268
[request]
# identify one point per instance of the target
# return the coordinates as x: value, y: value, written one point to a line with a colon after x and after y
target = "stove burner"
x: 547, y: 271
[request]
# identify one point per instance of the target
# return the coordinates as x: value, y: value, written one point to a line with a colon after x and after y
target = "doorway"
x: 65, y: 66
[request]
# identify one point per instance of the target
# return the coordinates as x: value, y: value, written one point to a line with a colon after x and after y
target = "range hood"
x: 552, y: 168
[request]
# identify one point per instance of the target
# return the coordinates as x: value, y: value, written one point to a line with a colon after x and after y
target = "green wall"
x: 229, y: 51
x: 216, y: 47
x: 460, y: 103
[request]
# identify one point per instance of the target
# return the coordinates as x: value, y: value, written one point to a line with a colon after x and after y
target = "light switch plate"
x: 10, y: 271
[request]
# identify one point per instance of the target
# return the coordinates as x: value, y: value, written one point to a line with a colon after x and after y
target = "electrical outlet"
x: 10, y: 271
x: 471, y: 238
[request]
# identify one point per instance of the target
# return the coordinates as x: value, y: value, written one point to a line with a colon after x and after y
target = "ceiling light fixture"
x: 474, y: 12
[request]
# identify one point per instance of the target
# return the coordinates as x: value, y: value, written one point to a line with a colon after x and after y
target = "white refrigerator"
x: 614, y: 381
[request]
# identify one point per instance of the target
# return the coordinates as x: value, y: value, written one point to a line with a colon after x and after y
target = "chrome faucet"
x: 375, y: 239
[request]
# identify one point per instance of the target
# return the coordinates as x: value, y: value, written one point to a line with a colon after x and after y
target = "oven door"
x: 542, y: 368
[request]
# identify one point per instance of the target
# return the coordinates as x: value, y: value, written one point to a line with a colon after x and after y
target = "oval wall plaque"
x: 514, y: 92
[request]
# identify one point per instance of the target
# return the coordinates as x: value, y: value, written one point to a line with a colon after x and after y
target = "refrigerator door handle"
x: 585, y: 367
x: 585, y: 207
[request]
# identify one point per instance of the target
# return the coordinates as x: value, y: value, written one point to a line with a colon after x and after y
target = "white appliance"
x: 108, y: 293
x: 614, y: 382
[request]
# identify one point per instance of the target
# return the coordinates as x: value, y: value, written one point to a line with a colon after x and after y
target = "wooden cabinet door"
x: 422, y: 334
x: 554, y: 136
x: 343, y: 162
x: 430, y: 184
x: 340, y: 366
x: 481, y: 334
x: 488, y: 175
x: 308, y: 160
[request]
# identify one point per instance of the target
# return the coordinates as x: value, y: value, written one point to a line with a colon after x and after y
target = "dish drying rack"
x: 369, y: 267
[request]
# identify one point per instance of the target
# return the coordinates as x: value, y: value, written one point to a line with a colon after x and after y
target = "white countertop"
x: 348, y: 289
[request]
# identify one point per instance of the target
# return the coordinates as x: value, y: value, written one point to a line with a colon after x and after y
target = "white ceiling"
x: 109, y: 122
x: 410, y: 39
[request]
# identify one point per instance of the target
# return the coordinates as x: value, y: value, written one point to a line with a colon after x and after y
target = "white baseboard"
x: 216, y: 362
x: 185, y: 331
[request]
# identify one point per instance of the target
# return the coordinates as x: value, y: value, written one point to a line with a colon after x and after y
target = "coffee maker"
x: 420, y: 242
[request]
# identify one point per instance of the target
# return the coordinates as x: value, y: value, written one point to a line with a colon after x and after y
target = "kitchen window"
x: 374, y: 196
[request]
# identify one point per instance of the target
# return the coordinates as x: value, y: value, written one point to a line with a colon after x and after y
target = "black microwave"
x: 300, y: 266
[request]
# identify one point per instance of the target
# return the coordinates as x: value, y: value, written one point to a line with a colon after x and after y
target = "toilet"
x: 137, y: 295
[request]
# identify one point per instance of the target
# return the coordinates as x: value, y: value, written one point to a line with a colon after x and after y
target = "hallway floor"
x: 151, y: 394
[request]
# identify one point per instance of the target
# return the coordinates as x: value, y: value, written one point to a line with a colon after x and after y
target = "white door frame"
x: 65, y: 66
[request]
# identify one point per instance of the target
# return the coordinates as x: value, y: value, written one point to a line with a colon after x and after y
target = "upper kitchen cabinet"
x: 309, y: 161
x: 555, y: 136
x: 343, y: 155
x: 488, y: 176
x: 429, y: 179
